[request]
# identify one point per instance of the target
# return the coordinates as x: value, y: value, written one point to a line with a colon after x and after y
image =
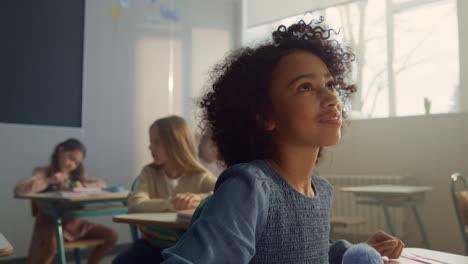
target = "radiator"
x: 344, y: 204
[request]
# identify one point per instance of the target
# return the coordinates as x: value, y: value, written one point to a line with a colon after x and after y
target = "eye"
x: 332, y: 85
x: 305, y: 87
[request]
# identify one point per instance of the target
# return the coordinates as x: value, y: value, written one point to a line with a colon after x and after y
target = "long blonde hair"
x: 178, y: 141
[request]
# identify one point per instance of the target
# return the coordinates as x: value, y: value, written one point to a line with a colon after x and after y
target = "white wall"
x: 426, y: 148
x: 264, y: 11
x: 463, y: 35
x: 125, y: 89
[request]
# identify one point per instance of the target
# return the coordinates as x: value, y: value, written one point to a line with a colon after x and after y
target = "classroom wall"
x: 125, y: 88
x: 426, y: 148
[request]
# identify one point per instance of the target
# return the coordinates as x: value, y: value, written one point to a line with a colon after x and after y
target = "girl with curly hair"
x: 271, y: 109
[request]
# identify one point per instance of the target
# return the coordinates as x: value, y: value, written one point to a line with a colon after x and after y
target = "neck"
x: 296, y: 164
x: 170, y: 171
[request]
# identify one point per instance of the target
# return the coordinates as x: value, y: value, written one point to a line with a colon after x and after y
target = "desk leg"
x: 421, y: 227
x: 59, y: 234
x: 134, y: 232
x: 388, y: 218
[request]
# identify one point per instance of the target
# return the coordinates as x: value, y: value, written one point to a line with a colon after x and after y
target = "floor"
x: 107, y: 260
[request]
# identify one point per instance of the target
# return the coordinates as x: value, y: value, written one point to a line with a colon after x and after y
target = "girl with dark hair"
x: 271, y: 110
x: 64, y: 172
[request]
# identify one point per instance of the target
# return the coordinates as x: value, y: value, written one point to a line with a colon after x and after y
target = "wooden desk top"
x: 387, y: 189
x: 167, y: 219
x: 64, y: 197
x: 437, y: 257
x: 5, y: 247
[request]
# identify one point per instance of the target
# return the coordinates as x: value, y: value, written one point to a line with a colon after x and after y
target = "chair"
x: 167, y: 237
x: 75, y: 245
x: 133, y: 228
x: 460, y: 202
x: 199, y: 210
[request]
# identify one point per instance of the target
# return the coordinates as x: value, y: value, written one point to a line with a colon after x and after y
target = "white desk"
x: 5, y: 247
x: 166, y: 219
x: 392, y: 196
x: 441, y: 257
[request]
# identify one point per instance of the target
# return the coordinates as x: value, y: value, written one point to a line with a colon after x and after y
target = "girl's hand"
x: 386, y: 244
x: 186, y: 201
x: 57, y: 178
x: 78, y: 184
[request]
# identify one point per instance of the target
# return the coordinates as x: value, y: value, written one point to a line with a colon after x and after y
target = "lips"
x: 332, y: 118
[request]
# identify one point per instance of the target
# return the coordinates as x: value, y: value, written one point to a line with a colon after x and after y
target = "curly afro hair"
x: 238, y: 95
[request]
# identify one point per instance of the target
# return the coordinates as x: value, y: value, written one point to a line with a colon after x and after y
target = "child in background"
x: 175, y: 180
x: 208, y: 154
x: 64, y: 172
x: 271, y: 109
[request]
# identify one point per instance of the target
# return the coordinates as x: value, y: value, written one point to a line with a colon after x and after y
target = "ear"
x: 269, y: 125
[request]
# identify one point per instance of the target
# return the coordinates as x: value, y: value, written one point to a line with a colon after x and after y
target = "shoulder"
x: 323, y: 184
x: 40, y: 171
x: 252, y: 174
x: 203, y: 175
x: 321, y: 180
x: 150, y: 170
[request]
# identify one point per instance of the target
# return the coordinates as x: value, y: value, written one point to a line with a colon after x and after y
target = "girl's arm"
x: 207, y: 185
x: 140, y: 201
x: 93, y: 182
x: 33, y: 184
x: 229, y: 225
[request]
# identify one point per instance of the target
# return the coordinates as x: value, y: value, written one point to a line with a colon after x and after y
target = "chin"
x: 332, y: 141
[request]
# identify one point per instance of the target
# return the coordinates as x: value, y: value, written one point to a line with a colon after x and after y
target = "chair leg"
x: 76, y: 254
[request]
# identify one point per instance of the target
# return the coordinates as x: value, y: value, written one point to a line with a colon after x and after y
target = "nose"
x: 69, y: 164
x: 330, y: 98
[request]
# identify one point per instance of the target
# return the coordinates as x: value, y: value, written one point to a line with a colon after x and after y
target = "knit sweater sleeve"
x: 140, y: 201
x: 230, y: 224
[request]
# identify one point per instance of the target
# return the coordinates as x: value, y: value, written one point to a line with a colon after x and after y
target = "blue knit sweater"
x: 255, y: 216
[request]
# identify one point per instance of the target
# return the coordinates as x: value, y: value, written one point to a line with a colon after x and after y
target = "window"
x: 407, y: 54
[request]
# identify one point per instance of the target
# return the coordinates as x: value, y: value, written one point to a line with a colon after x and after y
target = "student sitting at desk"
x: 271, y: 110
x: 65, y: 171
x: 208, y: 154
x: 175, y: 180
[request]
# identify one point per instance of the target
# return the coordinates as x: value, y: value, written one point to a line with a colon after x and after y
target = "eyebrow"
x: 309, y: 75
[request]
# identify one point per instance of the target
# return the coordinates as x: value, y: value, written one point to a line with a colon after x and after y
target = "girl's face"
x: 158, y: 152
x: 70, y: 160
x: 306, y: 108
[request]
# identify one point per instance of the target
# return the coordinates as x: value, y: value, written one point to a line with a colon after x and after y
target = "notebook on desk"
x: 83, y: 192
x: 184, y: 216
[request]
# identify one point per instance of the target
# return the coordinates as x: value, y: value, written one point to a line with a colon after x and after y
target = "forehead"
x: 75, y: 154
x: 298, y: 63
x: 154, y: 131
